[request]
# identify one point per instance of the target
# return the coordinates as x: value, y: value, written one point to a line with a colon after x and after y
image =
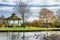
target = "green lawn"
x: 27, y: 28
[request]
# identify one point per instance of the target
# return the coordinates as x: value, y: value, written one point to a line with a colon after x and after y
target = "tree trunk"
x: 23, y: 21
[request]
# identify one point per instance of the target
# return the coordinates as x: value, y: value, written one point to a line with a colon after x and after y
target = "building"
x: 13, y: 20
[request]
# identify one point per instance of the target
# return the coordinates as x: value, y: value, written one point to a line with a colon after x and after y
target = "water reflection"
x: 27, y: 35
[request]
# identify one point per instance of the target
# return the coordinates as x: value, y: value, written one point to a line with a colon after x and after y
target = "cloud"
x: 44, y: 2
x: 6, y: 11
x: 31, y: 2
x: 6, y: 8
x: 10, y: 2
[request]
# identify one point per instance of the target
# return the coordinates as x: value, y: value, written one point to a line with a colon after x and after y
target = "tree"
x: 58, y: 17
x: 58, y: 13
x: 45, y: 15
x: 23, y: 10
x: 2, y: 20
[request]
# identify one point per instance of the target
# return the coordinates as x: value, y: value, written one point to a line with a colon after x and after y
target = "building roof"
x: 13, y: 17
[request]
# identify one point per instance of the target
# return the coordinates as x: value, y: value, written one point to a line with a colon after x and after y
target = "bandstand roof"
x: 13, y: 17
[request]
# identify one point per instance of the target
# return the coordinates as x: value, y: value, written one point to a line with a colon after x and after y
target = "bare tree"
x: 2, y: 20
x: 22, y: 9
x: 58, y: 13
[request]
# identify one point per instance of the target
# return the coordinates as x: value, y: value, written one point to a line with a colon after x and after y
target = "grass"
x: 27, y: 28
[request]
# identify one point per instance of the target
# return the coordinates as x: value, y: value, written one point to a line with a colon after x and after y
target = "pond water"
x: 27, y: 35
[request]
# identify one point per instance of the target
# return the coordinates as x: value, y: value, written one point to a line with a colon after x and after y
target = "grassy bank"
x: 27, y: 28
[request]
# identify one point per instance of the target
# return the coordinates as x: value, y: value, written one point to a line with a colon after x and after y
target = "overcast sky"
x: 6, y: 6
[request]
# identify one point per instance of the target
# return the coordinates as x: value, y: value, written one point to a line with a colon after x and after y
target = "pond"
x: 26, y: 36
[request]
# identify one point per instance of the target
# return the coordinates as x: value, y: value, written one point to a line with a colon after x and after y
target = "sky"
x: 6, y: 6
